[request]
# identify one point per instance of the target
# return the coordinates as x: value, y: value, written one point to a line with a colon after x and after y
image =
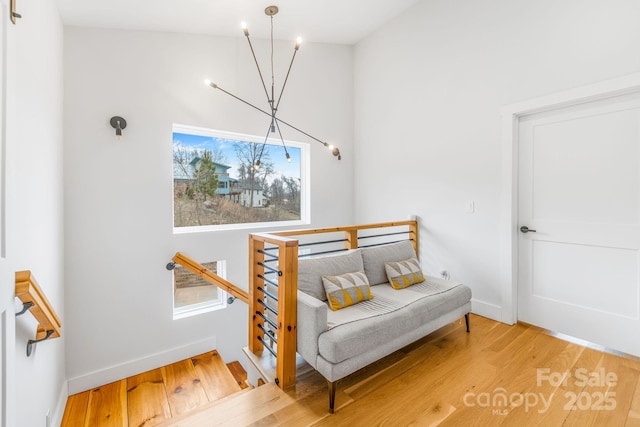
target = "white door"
x: 579, y: 189
x: 7, y: 277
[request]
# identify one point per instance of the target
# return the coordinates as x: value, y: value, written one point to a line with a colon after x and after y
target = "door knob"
x: 526, y: 229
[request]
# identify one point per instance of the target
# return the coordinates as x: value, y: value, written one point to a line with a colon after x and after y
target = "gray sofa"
x: 338, y: 343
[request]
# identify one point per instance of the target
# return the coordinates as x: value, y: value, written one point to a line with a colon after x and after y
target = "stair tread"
x: 153, y: 397
x: 216, y: 378
x: 238, y: 373
x: 246, y: 407
x: 146, y: 396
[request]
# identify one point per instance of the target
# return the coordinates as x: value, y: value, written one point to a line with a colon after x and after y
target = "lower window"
x: 193, y: 295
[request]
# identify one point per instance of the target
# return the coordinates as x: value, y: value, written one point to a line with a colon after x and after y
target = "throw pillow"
x: 405, y: 273
x: 346, y: 289
x: 311, y: 270
x: 374, y: 258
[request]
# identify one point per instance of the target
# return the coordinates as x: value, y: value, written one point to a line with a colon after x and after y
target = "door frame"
x: 511, y: 115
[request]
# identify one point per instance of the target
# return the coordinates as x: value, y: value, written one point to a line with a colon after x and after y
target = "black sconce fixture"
x: 118, y: 123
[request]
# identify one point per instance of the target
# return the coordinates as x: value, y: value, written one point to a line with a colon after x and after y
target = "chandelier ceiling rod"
x: 273, y: 105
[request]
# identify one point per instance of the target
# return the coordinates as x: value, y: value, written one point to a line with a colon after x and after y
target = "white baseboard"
x: 486, y: 309
x: 136, y: 366
x: 56, y: 417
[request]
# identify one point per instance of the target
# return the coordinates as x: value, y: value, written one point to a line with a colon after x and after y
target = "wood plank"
x: 215, y: 377
x: 310, y: 405
x: 633, y: 417
x: 238, y: 373
x: 184, y: 390
x: 76, y: 410
x: 557, y: 414
x: 543, y: 390
x: 107, y: 406
x: 239, y: 410
x: 620, y: 391
x: 521, y: 358
x: 148, y: 404
x: 256, y: 262
x: 287, y: 316
x: 338, y: 229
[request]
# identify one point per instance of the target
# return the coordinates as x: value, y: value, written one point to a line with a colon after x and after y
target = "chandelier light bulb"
x: 330, y: 147
x: 298, y: 42
x: 245, y: 30
x: 210, y: 83
x: 288, y: 158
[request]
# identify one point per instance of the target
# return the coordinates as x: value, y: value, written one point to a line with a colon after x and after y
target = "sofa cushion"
x: 311, y: 270
x: 375, y: 257
x: 346, y: 289
x: 405, y: 273
x: 359, y: 328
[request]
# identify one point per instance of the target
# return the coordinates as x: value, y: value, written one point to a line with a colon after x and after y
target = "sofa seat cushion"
x: 357, y: 329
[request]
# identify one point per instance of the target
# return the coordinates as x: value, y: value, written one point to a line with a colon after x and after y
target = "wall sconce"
x: 118, y: 123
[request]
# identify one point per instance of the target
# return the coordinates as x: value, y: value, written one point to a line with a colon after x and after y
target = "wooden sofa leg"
x: 332, y: 395
x: 466, y: 320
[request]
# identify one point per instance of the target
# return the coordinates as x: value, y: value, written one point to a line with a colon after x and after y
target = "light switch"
x: 470, y: 207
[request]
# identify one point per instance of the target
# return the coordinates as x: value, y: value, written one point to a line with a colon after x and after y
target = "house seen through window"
x: 217, y: 185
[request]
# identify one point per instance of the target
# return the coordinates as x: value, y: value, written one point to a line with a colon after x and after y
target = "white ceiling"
x: 320, y: 21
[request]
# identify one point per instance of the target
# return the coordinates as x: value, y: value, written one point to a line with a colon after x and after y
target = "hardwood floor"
x: 155, y: 396
x: 497, y: 375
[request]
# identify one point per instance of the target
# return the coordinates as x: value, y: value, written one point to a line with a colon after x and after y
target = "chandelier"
x: 275, y: 121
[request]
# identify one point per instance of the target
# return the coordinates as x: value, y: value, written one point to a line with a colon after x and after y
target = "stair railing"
x: 35, y: 301
x: 273, y: 282
x: 209, y: 276
x: 273, y: 303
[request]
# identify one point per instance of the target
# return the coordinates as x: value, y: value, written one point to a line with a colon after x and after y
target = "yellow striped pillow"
x: 405, y: 273
x: 346, y: 289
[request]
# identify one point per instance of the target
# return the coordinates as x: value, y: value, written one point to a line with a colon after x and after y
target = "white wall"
x: 34, y: 208
x: 118, y: 194
x: 428, y: 92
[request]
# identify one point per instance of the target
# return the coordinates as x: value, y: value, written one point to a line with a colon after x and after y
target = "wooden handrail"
x: 342, y: 228
x: 211, y: 277
x: 351, y: 231
x: 28, y: 291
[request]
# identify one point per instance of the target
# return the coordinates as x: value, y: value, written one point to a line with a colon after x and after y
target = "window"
x: 216, y: 186
x: 194, y: 295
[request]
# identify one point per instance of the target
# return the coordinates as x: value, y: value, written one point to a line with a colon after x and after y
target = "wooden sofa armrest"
x: 312, y: 321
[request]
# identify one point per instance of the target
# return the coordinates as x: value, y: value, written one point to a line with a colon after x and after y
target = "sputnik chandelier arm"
x: 334, y: 149
x: 273, y: 105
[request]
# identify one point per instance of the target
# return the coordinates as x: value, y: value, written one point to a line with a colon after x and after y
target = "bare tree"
x: 217, y: 156
x: 248, y: 155
x: 292, y: 186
